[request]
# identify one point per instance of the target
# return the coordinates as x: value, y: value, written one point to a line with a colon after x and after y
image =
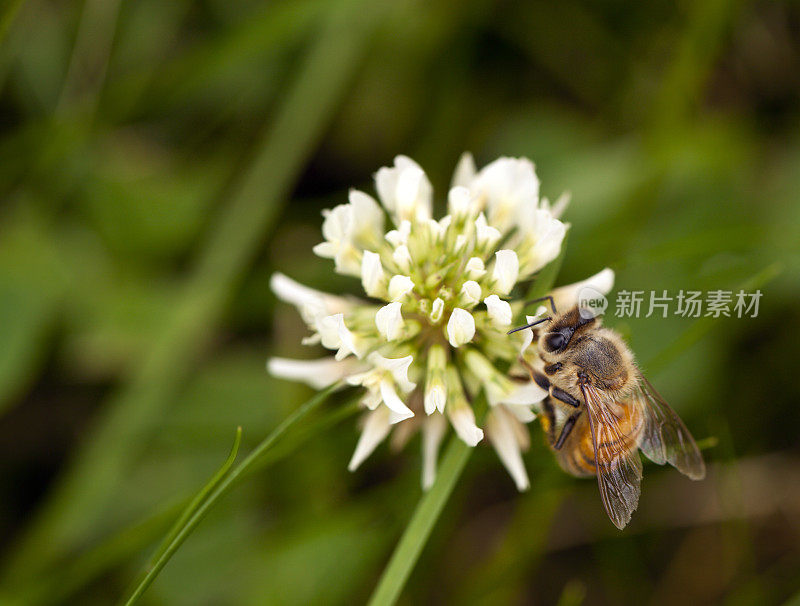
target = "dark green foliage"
x: 160, y: 159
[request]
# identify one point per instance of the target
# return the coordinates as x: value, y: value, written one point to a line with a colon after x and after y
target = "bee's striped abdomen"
x: 577, y: 455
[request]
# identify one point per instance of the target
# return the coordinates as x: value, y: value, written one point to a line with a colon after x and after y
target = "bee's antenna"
x: 529, y: 325
x: 545, y: 298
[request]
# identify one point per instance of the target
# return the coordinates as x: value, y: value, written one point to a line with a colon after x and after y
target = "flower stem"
x: 428, y: 509
x: 419, y: 529
x: 219, y: 485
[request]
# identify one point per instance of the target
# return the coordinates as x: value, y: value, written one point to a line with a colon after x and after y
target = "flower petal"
x: 470, y: 293
x: 499, y: 311
x: 502, y: 435
x: 566, y: 296
x: 373, y: 278
x: 509, y: 188
x: 486, y: 236
x: 389, y: 321
x: 559, y: 206
x: 376, y: 428
x: 435, y: 386
x: 316, y: 373
x: 368, y: 218
x: 397, y: 417
x: 460, y: 327
x: 311, y: 303
x: 463, y: 420
x: 459, y: 202
x: 338, y: 229
x: 523, y: 413
x: 527, y: 334
x: 402, y: 257
x: 506, y: 270
x: 437, y: 308
x: 542, y: 236
x: 399, y: 287
x: 526, y: 394
x: 399, y: 236
x: 413, y: 194
x: 475, y: 269
x: 435, y: 396
x: 337, y: 222
x: 405, y: 190
x: 465, y: 171
x: 335, y: 335
x: 394, y: 403
x: 398, y: 367
x: 433, y: 429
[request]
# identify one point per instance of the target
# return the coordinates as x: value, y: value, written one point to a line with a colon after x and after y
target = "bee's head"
x: 556, y: 336
x: 553, y: 342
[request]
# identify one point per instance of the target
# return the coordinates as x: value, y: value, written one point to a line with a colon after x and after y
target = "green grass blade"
x: 217, y: 487
x: 198, y: 499
x: 157, y: 562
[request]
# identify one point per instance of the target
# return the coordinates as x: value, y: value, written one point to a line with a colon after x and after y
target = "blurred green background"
x: 159, y: 160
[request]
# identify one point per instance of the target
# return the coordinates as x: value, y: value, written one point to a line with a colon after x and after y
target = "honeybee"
x: 601, y: 410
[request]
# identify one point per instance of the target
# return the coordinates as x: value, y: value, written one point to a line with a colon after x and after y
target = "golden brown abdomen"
x: 577, y: 455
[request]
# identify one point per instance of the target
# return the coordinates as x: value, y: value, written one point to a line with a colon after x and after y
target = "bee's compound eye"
x: 555, y: 341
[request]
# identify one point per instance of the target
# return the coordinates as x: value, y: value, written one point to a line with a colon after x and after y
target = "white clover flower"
x: 506, y: 271
x: 499, y: 311
x: 373, y: 278
x: 433, y: 334
x: 460, y: 327
x: 389, y: 321
x: 347, y: 229
x: 405, y: 190
x: 399, y: 287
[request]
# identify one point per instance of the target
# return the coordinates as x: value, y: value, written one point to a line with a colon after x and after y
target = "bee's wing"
x: 665, y: 438
x: 619, y: 468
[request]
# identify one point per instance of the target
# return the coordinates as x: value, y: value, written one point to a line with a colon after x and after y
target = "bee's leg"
x: 543, y: 382
x: 564, y: 396
x: 558, y: 393
x: 569, y: 424
x: 550, y: 413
